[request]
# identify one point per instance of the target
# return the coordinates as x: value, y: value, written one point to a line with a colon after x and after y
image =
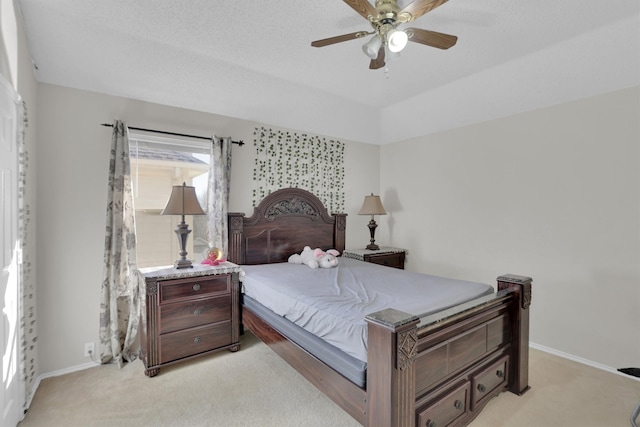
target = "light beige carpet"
x: 254, y: 387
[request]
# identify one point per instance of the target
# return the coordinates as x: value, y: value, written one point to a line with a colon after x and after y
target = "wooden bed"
x: 435, y: 371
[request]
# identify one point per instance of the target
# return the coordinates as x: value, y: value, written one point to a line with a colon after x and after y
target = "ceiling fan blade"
x: 431, y: 38
x: 363, y: 7
x: 339, y: 39
x: 417, y: 8
x: 379, y: 61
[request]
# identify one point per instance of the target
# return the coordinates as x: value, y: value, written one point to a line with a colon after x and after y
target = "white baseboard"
x: 69, y: 370
x: 580, y: 360
x: 531, y: 344
x: 57, y: 373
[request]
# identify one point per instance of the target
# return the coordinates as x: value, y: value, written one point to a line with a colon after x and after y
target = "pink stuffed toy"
x: 316, y: 258
x: 214, y: 257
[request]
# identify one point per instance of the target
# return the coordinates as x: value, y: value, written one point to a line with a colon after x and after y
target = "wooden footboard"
x: 440, y: 370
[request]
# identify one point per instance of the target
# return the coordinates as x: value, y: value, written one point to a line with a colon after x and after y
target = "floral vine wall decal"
x: 288, y: 159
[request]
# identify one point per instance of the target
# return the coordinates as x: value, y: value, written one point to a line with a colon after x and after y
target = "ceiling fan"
x: 388, y: 40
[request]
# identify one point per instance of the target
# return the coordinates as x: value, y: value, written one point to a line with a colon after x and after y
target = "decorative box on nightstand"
x: 188, y: 313
x: 391, y: 257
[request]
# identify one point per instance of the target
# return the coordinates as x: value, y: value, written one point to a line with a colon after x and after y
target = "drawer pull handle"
x: 481, y: 388
x: 431, y: 423
x: 198, y: 312
x: 458, y: 405
x: 500, y: 373
x: 196, y: 287
x: 197, y: 340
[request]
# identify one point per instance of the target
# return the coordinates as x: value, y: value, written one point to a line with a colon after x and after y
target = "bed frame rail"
x: 351, y: 398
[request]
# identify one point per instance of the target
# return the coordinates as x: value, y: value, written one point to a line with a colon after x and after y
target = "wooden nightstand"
x: 391, y: 257
x: 188, y: 313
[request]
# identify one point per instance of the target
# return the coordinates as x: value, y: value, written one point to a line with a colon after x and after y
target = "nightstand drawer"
x: 395, y: 260
x: 184, y: 315
x: 177, y: 345
x: 176, y: 290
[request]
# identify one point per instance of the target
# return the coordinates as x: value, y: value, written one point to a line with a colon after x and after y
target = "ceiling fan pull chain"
x: 386, y: 72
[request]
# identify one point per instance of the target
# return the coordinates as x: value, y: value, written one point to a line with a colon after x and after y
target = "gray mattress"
x: 332, y: 303
x: 324, y: 310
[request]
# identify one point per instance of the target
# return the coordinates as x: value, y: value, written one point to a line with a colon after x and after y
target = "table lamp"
x: 372, y: 206
x: 183, y: 201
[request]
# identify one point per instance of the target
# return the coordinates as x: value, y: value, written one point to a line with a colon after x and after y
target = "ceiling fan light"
x: 397, y: 40
x: 372, y: 47
x: 390, y: 56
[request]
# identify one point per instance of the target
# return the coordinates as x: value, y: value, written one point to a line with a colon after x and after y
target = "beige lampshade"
x: 183, y: 201
x: 372, y: 206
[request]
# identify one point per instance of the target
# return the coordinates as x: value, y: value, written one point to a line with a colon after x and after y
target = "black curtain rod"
x: 240, y: 143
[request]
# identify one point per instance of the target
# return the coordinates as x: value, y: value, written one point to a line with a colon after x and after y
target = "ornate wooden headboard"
x: 282, y: 224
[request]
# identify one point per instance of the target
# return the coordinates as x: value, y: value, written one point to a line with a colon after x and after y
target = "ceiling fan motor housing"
x: 387, y: 12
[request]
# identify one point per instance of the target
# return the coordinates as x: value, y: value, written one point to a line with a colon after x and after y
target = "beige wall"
x: 72, y: 199
x: 552, y: 194
x: 549, y: 194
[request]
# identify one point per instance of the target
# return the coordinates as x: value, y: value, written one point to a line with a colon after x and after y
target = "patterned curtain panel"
x: 218, y: 193
x: 120, y: 302
x: 28, y: 325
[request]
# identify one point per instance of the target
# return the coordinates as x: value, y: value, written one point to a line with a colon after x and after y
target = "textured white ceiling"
x: 253, y: 60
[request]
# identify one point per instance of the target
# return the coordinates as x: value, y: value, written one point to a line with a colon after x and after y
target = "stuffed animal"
x: 316, y: 258
x: 214, y: 257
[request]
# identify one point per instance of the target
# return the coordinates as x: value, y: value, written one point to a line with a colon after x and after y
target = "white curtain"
x: 218, y: 193
x: 120, y: 299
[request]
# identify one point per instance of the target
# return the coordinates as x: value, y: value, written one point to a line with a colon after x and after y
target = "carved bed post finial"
x: 521, y: 286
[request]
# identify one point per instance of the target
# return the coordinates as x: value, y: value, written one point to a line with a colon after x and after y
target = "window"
x: 157, y: 164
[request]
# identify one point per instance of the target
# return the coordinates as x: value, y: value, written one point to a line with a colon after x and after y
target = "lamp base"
x: 372, y: 230
x: 183, y: 263
x: 182, y: 231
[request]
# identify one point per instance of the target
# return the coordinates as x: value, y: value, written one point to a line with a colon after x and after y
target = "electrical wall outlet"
x: 89, y: 349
